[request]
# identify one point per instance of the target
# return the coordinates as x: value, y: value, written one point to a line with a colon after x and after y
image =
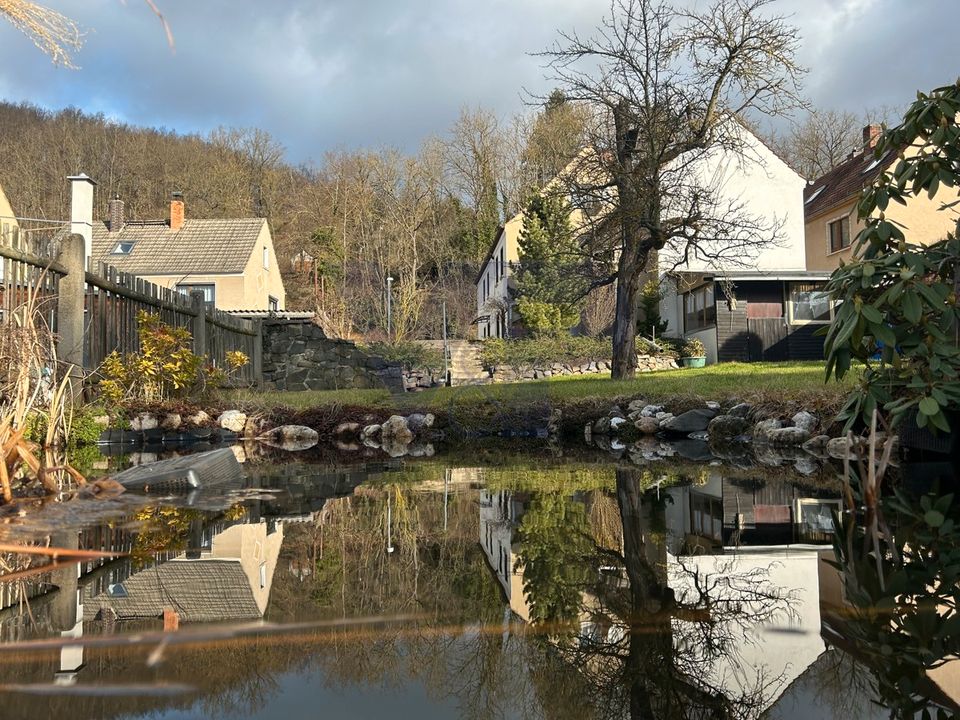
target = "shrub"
x: 525, y: 354
x: 410, y: 355
x: 662, y: 347
x: 694, y: 348
x: 898, y: 313
x: 166, y: 366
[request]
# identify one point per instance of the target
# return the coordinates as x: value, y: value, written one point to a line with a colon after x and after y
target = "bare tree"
x: 667, y: 87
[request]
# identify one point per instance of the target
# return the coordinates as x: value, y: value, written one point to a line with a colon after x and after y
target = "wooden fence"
x: 94, y: 312
x: 26, y: 278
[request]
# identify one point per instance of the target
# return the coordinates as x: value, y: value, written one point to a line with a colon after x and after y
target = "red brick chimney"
x: 176, y: 211
x: 116, y: 214
x: 871, y: 136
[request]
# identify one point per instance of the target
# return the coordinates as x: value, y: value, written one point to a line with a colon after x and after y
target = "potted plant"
x: 694, y: 353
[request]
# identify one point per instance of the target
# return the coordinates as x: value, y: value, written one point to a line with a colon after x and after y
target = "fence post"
x: 70, y: 301
x: 199, y: 304
x: 257, y: 358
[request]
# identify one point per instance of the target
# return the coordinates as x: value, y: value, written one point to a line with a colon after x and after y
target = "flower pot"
x: 694, y: 362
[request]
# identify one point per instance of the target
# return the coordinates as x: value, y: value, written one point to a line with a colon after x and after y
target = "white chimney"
x: 81, y: 211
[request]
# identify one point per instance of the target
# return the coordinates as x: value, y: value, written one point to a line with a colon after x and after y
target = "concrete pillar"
x: 199, y: 304
x: 70, y: 305
x: 81, y: 211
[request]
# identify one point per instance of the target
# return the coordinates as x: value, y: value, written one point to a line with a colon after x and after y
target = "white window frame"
x: 791, y: 320
x: 266, y: 258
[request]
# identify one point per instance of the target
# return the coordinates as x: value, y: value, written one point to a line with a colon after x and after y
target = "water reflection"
x: 522, y: 591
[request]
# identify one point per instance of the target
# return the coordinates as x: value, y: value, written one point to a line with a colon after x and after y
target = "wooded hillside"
x: 425, y: 219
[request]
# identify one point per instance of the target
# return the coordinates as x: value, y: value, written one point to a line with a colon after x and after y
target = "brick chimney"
x: 871, y: 135
x: 116, y: 214
x: 176, y: 211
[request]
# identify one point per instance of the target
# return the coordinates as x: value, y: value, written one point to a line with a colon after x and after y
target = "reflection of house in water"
x: 733, y: 527
x: 226, y: 576
x: 725, y: 529
x: 500, y: 513
x: 227, y: 579
x: 728, y: 513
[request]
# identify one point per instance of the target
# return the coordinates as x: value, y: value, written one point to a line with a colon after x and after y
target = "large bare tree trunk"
x: 624, y: 364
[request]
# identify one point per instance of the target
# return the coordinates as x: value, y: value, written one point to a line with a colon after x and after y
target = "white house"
x: 747, y: 303
x: 495, y: 314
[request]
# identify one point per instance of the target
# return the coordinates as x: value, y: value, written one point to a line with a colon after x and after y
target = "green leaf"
x: 933, y: 518
x: 912, y: 307
x: 929, y: 406
x: 871, y: 314
x: 884, y: 333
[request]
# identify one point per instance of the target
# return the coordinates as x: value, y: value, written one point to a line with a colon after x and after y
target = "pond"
x: 487, y: 583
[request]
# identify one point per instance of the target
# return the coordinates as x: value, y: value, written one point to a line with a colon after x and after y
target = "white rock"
x: 616, y: 422
x: 651, y: 410
x: 233, y: 420
x: 144, y: 421
x: 171, y: 421
x: 395, y: 431
x: 198, y: 419
x: 805, y: 421
x: 712, y: 405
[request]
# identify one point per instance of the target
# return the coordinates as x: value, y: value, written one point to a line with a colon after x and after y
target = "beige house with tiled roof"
x: 232, y: 261
x: 9, y: 226
x: 830, y: 208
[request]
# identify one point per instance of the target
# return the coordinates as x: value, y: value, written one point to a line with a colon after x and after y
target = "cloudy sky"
x: 329, y: 74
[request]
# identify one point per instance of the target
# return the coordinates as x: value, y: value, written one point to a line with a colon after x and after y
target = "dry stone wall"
x: 297, y: 355
x: 645, y: 363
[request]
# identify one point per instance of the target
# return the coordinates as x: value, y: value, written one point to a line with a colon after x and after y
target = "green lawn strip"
x: 476, y: 409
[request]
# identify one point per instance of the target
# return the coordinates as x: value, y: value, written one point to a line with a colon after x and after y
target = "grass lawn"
x: 770, y: 382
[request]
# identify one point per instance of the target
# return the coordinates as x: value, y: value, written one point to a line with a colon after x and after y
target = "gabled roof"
x: 199, y: 590
x: 198, y: 247
x: 844, y: 182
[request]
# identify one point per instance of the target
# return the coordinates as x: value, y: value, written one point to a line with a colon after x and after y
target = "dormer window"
x: 122, y: 248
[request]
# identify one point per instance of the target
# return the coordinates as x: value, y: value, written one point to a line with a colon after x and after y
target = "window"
x: 503, y: 263
x: 699, y: 309
x: 272, y: 303
x: 814, y: 519
x: 816, y: 193
x: 706, y: 516
x: 209, y: 291
x: 809, y: 303
x: 123, y: 248
x: 266, y: 258
x: 839, y: 233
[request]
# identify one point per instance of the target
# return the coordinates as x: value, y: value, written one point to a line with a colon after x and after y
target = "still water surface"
x: 433, y: 588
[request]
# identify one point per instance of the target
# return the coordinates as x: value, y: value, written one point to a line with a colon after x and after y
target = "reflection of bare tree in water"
x: 658, y: 647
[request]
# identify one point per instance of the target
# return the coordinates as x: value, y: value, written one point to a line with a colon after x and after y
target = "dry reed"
x: 28, y: 389
x: 56, y: 34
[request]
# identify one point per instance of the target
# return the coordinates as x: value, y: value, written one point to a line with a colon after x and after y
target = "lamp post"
x: 389, y: 306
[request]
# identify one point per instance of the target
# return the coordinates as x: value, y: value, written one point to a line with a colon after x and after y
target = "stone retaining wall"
x: 297, y: 355
x: 645, y: 363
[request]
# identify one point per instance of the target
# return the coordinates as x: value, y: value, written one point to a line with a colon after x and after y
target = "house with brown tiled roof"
x: 830, y: 207
x: 232, y: 261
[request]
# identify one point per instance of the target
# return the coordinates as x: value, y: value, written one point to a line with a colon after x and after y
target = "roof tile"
x: 199, y: 247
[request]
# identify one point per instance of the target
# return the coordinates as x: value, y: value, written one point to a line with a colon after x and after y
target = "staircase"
x: 465, y: 366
